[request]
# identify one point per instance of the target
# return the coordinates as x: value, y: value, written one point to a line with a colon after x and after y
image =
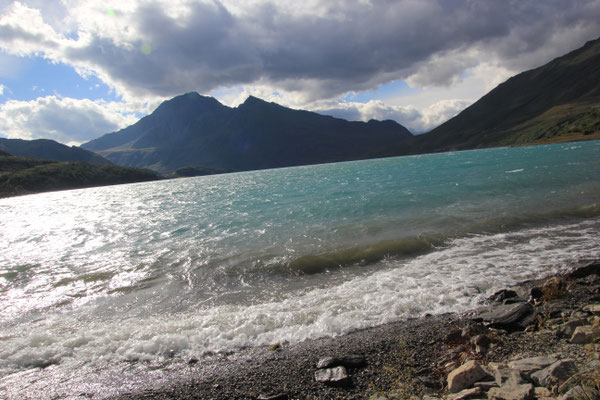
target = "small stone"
x: 466, y: 394
x: 555, y: 374
x: 193, y: 361
x: 465, y: 376
x: 512, y: 392
x: 332, y: 376
x: 280, y: 396
x: 592, y: 308
x: 348, y: 361
x: 585, y: 334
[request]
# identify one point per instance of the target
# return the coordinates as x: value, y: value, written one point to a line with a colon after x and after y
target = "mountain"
x: 49, y: 150
x: 194, y: 130
x: 23, y: 175
x: 559, y: 101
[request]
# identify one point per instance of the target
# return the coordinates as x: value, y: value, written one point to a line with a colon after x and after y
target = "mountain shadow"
x: 194, y: 130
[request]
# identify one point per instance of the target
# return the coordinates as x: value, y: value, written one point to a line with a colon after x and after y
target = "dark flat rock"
x: 511, y: 317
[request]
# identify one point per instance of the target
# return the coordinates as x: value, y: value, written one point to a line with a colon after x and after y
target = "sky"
x: 73, y: 70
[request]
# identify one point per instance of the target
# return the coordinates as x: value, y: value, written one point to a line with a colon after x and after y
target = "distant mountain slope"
x: 555, y: 102
x: 23, y: 175
x: 49, y: 150
x: 193, y: 130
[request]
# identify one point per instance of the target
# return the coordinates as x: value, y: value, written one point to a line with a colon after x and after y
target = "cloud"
x: 318, y: 49
x: 417, y: 121
x: 66, y: 120
x: 2, y: 89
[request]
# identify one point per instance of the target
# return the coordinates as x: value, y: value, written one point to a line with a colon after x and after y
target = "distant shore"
x: 404, y: 358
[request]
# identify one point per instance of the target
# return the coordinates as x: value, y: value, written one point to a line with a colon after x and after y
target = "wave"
x: 412, y: 246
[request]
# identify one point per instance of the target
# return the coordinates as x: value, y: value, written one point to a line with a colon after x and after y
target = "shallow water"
x: 154, y: 271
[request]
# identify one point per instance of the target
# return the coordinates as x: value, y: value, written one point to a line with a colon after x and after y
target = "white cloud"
x: 300, y: 54
x: 66, y: 120
x: 320, y: 50
x: 2, y: 89
x: 417, y: 121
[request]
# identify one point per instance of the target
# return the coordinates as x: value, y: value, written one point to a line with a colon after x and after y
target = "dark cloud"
x: 342, y: 46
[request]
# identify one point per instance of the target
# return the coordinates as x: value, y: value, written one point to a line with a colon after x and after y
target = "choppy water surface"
x: 166, y: 270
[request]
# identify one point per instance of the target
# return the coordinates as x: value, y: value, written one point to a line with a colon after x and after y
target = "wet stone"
x: 512, y: 317
x: 337, y: 376
x: 280, y: 396
x: 348, y: 361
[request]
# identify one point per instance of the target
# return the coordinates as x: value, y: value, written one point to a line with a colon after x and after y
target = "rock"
x: 348, y: 361
x: 503, y: 375
x: 553, y: 288
x: 576, y: 393
x: 592, y: 268
x: 592, y: 308
x: 532, y: 364
x: 536, y: 293
x: 585, y: 334
x: 481, y: 343
x: 512, y: 392
x: 485, y: 386
x: 502, y: 295
x: 337, y: 376
x: 511, y: 317
x: 193, y: 361
x: 281, y: 396
x: 466, y: 394
x: 473, y: 330
x: 555, y: 374
x: 542, y: 393
x: 455, y: 337
x: 465, y: 376
x: 566, y: 330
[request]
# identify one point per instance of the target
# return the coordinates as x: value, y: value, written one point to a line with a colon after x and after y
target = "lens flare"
x: 146, y: 49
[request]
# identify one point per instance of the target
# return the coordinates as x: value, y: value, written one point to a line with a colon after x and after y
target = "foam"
x: 454, y: 278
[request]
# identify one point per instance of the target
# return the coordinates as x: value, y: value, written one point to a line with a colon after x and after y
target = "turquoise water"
x: 217, y: 263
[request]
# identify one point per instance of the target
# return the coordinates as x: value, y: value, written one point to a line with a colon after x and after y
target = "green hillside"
x: 47, y: 149
x: 555, y: 102
x: 21, y: 175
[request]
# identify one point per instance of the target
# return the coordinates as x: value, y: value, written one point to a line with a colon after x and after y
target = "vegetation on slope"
x: 21, y: 175
x: 46, y: 149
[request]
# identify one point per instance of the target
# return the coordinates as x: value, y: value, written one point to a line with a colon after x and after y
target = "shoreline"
x: 401, y: 359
